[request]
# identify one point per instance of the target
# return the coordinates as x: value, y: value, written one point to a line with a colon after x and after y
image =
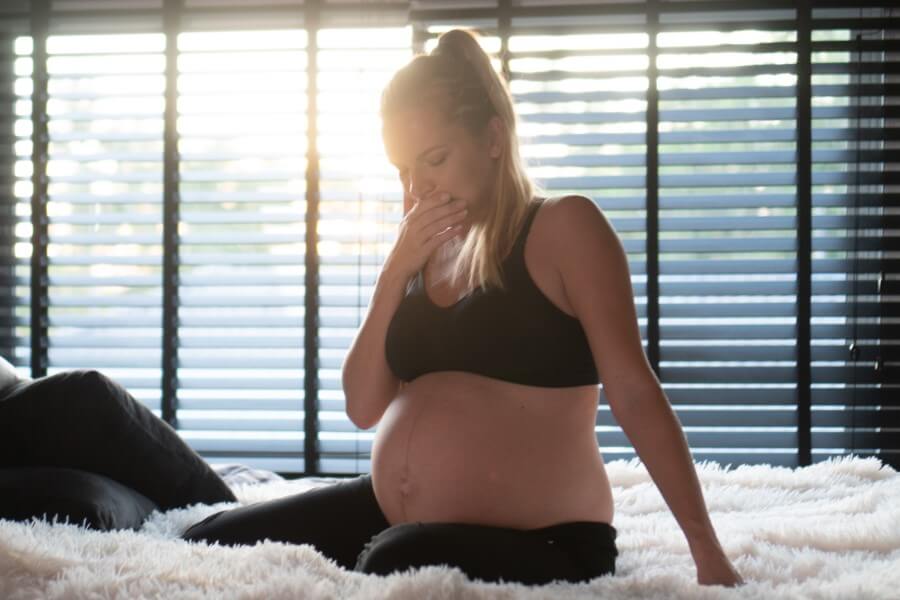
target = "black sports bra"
x: 516, y: 334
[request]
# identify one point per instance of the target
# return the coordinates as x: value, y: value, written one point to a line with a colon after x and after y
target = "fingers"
x: 427, y: 220
x: 408, y: 201
x: 433, y: 208
x: 438, y: 239
x: 444, y: 220
x: 433, y: 220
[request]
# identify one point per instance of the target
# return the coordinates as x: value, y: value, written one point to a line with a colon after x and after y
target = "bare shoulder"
x: 562, y: 211
x: 571, y: 221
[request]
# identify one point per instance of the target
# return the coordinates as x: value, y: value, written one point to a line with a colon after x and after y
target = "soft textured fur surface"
x: 831, y: 530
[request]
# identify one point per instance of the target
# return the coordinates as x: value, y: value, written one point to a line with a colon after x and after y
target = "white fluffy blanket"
x: 831, y: 530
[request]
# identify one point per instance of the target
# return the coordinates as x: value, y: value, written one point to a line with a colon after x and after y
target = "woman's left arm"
x: 594, y: 272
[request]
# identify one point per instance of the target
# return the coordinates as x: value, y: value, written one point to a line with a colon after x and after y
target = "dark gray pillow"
x: 84, y: 420
x: 70, y: 495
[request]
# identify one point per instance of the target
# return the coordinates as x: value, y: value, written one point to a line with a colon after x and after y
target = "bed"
x: 830, y: 530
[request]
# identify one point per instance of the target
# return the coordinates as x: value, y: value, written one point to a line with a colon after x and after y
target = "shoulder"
x: 567, y: 223
x: 571, y: 211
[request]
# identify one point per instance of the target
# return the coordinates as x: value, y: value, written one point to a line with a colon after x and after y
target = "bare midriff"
x: 463, y: 448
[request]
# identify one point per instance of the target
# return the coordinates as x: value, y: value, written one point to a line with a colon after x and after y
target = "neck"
x: 442, y: 262
x: 445, y: 254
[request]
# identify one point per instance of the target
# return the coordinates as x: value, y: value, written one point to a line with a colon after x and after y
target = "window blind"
x: 103, y: 206
x: 88, y: 117
x: 855, y: 96
x: 727, y: 229
x: 745, y: 153
x: 15, y: 207
x: 242, y: 149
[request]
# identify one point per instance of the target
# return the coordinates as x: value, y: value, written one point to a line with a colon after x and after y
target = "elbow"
x: 362, y: 408
x: 366, y: 397
x: 635, y: 397
x: 352, y: 407
x: 362, y: 423
x: 360, y: 418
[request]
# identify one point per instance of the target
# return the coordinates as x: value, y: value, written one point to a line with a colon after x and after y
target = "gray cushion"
x: 70, y: 495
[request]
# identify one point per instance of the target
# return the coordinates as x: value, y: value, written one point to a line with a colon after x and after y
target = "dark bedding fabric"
x: 85, y: 421
x: 70, y: 495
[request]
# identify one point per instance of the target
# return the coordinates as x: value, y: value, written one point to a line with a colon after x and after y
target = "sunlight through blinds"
x: 727, y: 88
x: 242, y: 143
x: 105, y: 110
x: 361, y: 205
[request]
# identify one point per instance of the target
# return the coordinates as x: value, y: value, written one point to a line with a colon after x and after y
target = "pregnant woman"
x: 493, y: 320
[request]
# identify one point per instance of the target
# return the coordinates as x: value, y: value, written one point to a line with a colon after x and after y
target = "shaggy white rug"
x: 831, y: 530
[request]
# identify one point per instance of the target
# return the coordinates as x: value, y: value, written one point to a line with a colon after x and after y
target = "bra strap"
x: 517, y: 254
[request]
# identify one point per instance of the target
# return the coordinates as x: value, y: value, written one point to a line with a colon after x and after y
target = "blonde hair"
x: 458, y: 77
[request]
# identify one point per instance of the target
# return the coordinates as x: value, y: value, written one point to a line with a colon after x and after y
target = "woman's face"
x: 432, y: 156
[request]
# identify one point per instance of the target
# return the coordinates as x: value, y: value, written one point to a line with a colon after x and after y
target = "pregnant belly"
x: 458, y: 447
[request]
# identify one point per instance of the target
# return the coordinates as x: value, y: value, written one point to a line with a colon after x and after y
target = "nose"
x: 419, y: 184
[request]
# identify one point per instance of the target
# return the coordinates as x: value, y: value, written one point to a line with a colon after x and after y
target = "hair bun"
x: 460, y: 44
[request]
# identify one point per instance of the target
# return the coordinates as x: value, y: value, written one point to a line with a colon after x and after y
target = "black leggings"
x: 344, y: 522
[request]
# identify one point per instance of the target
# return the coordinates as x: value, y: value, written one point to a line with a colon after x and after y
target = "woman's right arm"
x: 368, y: 382
x: 369, y: 385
